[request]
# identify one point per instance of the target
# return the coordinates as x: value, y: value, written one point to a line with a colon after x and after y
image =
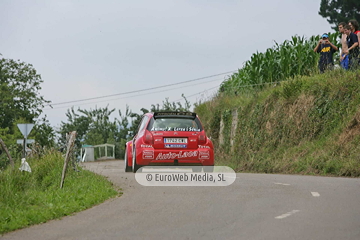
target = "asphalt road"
x: 255, y: 206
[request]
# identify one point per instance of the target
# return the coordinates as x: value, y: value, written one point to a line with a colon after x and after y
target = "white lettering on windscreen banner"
x: 187, y: 129
x: 170, y: 155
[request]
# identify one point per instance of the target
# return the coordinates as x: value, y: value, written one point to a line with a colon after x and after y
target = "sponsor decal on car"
x: 187, y: 129
x: 148, y: 154
x: 201, y: 146
x: 158, y: 134
x: 181, y: 154
x: 175, y: 145
x: 204, y: 155
x: 145, y: 146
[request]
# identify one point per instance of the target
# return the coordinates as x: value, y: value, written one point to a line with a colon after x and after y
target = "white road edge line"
x: 285, y: 184
x: 315, y: 194
x: 287, y: 214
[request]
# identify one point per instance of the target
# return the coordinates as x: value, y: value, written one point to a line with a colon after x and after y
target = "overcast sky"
x: 87, y: 48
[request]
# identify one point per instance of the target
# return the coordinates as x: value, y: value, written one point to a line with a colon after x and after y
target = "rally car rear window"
x: 175, y: 124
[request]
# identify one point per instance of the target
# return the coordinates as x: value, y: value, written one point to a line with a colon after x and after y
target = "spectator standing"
x: 353, y: 47
x: 355, y: 27
x: 326, y: 50
x: 344, y: 59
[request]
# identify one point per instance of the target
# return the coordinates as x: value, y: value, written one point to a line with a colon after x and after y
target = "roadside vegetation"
x: 305, y: 125
x: 277, y: 114
x: 32, y: 198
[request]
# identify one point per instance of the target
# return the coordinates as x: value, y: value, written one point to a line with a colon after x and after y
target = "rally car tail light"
x: 201, y: 139
x: 149, y: 139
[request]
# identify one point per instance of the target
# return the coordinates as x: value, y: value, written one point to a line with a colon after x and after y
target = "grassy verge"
x: 31, y: 198
x: 309, y: 125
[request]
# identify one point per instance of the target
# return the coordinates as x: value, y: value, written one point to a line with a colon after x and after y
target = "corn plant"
x: 283, y: 61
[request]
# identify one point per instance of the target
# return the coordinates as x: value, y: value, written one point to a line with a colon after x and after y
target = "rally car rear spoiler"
x: 173, y: 114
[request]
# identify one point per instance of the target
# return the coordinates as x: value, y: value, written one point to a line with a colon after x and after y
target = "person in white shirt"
x: 344, y: 59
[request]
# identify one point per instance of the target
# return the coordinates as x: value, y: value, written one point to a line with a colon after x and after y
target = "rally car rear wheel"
x: 127, y: 168
x: 135, y: 167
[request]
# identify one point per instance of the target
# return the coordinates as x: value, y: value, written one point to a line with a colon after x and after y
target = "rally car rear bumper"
x: 196, y: 157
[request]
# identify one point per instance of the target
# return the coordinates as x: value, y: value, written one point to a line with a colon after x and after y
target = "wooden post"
x: 24, y: 148
x: 69, y: 150
x: 7, y: 152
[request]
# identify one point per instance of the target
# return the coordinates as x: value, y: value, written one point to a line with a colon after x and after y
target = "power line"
x: 129, y: 96
x: 196, y: 93
x: 249, y: 85
x: 141, y: 90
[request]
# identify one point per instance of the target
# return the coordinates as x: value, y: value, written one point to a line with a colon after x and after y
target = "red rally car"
x: 169, y: 138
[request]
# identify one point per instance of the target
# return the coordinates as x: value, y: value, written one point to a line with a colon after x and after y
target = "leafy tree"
x: 123, y: 123
x: 135, y: 121
x: 10, y: 142
x: 174, y: 106
x: 43, y: 133
x: 94, y: 138
x: 336, y: 11
x: 101, y: 129
x: 75, y: 122
x: 93, y: 127
x: 21, y: 102
x: 19, y: 91
x: 122, y: 136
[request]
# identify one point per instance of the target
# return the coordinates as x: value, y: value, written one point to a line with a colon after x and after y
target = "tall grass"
x: 292, y: 58
x: 31, y: 198
x: 309, y: 125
